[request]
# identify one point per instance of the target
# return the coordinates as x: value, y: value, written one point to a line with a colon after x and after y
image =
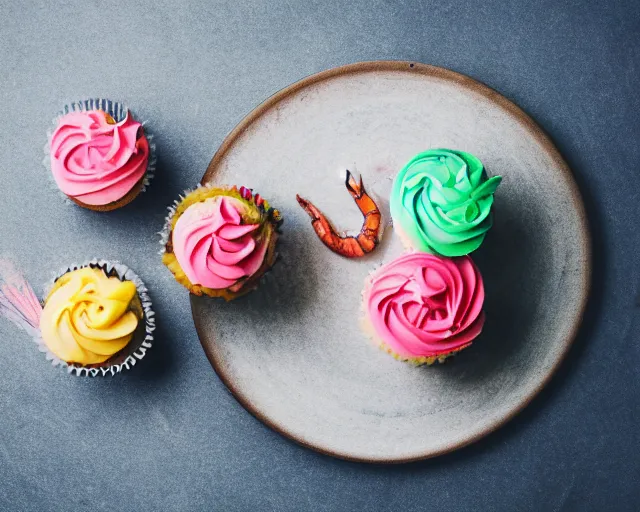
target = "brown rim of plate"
x: 479, y: 88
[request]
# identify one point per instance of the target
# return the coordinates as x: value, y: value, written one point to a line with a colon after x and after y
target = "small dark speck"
x: 410, y: 65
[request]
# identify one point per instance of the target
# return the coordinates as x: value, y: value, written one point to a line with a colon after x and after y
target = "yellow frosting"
x: 89, y: 316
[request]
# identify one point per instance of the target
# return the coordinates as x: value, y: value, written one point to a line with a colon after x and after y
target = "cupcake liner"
x: 116, y: 110
x: 165, y: 232
x: 132, y: 353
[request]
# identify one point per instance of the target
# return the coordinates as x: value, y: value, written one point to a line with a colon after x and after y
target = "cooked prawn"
x: 348, y: 246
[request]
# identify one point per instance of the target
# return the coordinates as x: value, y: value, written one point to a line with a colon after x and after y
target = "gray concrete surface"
x: 168, y: 436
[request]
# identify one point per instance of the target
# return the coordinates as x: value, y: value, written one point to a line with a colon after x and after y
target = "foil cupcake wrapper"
x: 116, y: 110
x: 124, y: 273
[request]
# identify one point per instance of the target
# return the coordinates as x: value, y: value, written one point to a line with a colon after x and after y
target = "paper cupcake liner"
x: 132, y: 353
x: 116, y: 110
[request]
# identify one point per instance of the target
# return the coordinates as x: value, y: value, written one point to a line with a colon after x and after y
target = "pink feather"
x: 18, y: 302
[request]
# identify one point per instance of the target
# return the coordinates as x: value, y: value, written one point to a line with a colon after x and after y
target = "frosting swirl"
x: 88, y: 316
x: 96, y: 160
x: 422, y: 305
x: 441, y: 200
x: 214, y: 247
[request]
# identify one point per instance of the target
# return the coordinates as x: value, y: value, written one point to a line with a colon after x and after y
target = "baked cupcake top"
x: 88, y: 316
x: 220, y: 238
x: 441, y: 200
x: 422, y: 305
x: 95, y: 159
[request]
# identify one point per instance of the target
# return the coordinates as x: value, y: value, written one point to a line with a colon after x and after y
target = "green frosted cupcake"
x: 441, y: 202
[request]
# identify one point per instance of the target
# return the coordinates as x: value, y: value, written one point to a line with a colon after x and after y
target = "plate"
x: 293, y: 352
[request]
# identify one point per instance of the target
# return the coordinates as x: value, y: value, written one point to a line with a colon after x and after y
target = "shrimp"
x: 348, y: 246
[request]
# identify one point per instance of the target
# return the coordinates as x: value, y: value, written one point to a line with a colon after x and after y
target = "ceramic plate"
x: 293, y: 352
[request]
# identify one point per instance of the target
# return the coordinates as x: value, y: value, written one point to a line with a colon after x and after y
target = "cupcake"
x: 441, y: 202
x: 99, y: 161
x: 96, y: 319
x: 219, y: 241
x: 423, y: 308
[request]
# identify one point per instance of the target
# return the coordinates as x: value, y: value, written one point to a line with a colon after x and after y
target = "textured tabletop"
x: 168, y: 435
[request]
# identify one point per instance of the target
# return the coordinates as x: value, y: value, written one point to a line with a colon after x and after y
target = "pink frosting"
x: 423, y: 305
x: 213, y: 247
x: 97, y: 162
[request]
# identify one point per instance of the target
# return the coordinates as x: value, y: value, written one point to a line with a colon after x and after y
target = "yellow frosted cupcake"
x: 88, y: 317
x: 95, y: 319
x: 219, y: 241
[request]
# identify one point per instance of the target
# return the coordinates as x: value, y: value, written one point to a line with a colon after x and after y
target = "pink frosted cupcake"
x: 219, y: 241
x: 424, y: 308
x: 99, y: 161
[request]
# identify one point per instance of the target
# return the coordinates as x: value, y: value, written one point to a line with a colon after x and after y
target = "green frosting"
x: 442, y: 200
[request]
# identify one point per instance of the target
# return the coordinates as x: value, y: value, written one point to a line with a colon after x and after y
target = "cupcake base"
x: 130, y: 196
x: 368, y: 329
x: 404, y: 239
